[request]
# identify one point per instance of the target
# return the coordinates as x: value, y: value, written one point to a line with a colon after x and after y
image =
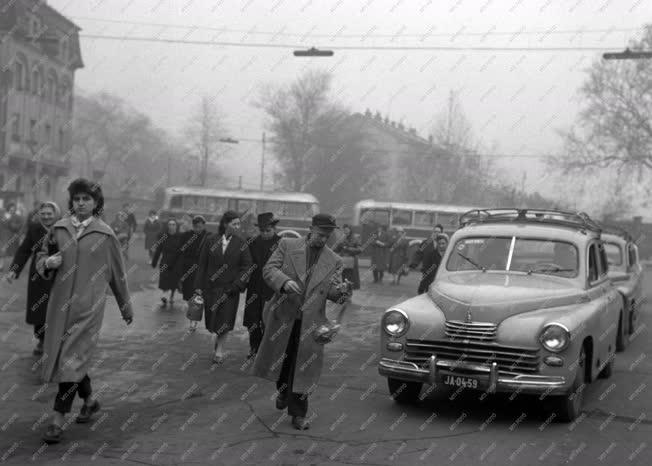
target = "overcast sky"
x: 515, y: 100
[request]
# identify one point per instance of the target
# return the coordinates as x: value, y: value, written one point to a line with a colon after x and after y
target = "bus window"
x: 233, y: 204
x: 216, y: 205
x: 424, y: 219
x: 380, y: 217
x: 272, y: 206
x: 246, y: 205
x: 176, y: 202
x: 297, y: 209
x: 193, y: 203
x: 401, y: 217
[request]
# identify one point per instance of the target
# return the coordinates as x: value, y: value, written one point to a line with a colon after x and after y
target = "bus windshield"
x: 528, y: 255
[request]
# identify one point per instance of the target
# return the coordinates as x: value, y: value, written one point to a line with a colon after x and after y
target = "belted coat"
x: 288, y: 262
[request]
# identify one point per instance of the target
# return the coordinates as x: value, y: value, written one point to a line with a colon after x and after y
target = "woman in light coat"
x: 82, y: 257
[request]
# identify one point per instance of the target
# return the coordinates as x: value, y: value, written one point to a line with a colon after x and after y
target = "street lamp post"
x: 204, y: 168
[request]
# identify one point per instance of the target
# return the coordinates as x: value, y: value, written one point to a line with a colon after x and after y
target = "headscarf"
x: 53, y: 205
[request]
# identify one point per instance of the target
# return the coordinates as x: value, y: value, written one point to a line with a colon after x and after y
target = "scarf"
x: 80, y: 226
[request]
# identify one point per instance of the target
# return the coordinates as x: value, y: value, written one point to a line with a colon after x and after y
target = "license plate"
x: 466, y: 382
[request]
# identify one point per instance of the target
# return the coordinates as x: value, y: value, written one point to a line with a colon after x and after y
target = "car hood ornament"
x: 469, y: 317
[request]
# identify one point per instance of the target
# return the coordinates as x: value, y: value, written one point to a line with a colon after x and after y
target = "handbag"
x: 195, y: 308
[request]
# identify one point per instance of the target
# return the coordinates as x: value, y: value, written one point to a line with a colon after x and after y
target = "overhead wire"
x: 281, y: 32
x: 288, y: 46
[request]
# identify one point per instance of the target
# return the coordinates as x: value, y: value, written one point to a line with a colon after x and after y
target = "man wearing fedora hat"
x: 261, y: 248
x: 304, y: 273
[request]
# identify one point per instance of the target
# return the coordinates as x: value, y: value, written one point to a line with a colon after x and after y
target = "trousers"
x: 66, y: 395
x: 297, y: 402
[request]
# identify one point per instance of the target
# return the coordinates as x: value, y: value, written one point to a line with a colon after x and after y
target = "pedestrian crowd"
x: 287, y: 282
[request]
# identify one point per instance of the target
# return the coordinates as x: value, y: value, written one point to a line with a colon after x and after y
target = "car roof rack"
x: 616, y: 230
x: 577, y: 220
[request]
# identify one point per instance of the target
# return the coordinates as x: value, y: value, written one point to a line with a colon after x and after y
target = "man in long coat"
x: 303, y: 273
x: 258, y: 292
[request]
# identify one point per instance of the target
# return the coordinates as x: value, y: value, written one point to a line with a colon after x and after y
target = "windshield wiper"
x: 549, y: 271
x: 471, y: 261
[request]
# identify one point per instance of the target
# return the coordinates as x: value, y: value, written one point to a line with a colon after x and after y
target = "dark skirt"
x: 188, y: 285
x: 353, y: 275
x: 38, y: 291
x: 220, y: 311
x: 168, y: 279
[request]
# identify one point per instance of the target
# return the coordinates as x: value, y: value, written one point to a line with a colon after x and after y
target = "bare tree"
x: 614, y: 128
x: 205, y: 130
x: 293, y: 112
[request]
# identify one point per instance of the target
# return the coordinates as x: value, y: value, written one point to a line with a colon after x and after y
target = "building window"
x: 32, y: 130
x: 61, y: 142
x: 63, y: 95
x: 19, y: 184
x: 15, y: 127
x: 34, y: 26
x: 51, y: 90
x: 36, y: 82
x: 48, y: 133
x: 63, y: 51
x: 19, y: 76
x: 48, y: 186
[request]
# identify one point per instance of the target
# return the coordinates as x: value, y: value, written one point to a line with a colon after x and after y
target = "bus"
x: 417, y: 219
x: 294, y: 210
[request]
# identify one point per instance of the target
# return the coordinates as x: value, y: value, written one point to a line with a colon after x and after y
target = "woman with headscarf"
x: 38, y: 288
x: 348, y: 249
x: 398, y: 255
x: 224, y: 268
x: 167, y: 248
x: 82, y: 257
x: 11, y: 224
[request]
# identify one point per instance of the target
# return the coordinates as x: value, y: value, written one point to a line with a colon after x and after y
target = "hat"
x: 266, y: 219
x: 324, y: 221
x: 198, y: 219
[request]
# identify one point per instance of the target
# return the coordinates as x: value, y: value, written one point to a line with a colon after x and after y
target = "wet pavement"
x: 164, y: 402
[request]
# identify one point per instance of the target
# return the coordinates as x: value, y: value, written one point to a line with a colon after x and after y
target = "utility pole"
x: 262, y: 165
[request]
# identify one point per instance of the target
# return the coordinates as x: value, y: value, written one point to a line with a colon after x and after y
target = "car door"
x: 600, y: 291
x: 636, y: 276
x: 613, y: 297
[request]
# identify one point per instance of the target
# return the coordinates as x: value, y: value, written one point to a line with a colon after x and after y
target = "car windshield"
x: 528, y: 255
x: 614, y: 253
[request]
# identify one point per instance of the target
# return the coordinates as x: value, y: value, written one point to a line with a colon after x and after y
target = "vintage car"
x: 521, y: 303
x: 626, y: 273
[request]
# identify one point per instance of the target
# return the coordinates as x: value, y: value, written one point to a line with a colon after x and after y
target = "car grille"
x: 476, y: 331
x: 508, y: 358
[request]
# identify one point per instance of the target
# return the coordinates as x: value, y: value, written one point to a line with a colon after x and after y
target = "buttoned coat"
x: 90, y: 265
x: 288, y: 262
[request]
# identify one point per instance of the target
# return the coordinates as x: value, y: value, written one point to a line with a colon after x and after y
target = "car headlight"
x: 395, y: 322
x: 555, y: 337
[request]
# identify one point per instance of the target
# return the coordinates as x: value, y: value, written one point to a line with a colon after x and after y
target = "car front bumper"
x: 489, y: 378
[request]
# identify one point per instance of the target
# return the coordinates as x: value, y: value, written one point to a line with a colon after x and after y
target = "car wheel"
x: 569, y: 406
x: 608, y: 370
x: 404, y: 392
x: 621, y: 338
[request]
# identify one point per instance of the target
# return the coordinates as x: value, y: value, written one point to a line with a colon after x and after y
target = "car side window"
x: 603, y: 264
x: 593, y: 264
x: 632, y: 254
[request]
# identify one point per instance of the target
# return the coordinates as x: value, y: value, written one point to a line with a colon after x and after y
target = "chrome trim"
x: 498, y: 380
x: 407, y: 322
x: 493, y: 377
x: 543, y: 330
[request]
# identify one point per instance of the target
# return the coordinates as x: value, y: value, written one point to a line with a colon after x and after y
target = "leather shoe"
x: 87, y: 412
x: 281, y: 402
x: 300, y: 423
x: 52, y: 434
